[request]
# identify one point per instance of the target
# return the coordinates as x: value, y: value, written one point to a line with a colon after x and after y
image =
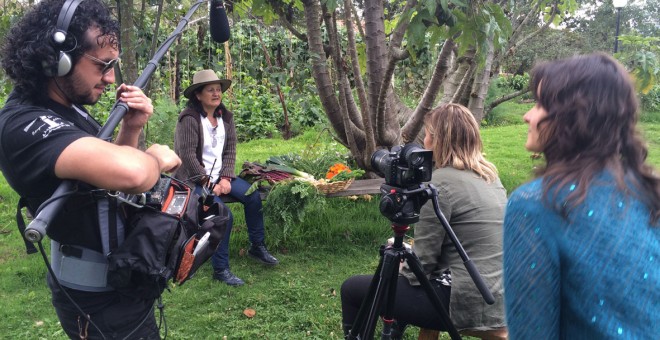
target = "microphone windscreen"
x: 219, y: 23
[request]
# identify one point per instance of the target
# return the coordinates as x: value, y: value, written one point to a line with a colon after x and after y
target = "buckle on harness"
x: 68, y: 250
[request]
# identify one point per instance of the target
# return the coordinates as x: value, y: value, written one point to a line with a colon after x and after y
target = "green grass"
x: 299, y: 299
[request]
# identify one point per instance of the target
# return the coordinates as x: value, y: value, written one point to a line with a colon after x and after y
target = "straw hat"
x: 205, y: 77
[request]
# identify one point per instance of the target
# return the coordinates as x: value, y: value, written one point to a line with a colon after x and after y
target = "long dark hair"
x: 29, y: 43
x: 591, y: 125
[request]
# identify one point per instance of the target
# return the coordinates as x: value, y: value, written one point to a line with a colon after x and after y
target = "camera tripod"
x: 402, y: 206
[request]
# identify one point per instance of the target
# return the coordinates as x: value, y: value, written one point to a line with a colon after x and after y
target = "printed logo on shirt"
x: 45, y: 125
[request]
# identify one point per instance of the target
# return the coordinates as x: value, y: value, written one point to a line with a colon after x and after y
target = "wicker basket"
x: 332, y: 187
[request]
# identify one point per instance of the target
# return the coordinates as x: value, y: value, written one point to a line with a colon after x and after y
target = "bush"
x: 160, y: 129
x: 651, y: 100
x: 514, y: 82
x: 286, y: 206
x: 258, y: 112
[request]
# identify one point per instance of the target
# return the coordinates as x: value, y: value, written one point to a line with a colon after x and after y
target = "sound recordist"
x: 61, y: 56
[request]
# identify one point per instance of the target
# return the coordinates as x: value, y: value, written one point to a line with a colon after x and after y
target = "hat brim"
x: 224, y: 85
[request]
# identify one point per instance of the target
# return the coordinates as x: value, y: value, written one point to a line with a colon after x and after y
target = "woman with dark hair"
x: 581, y: 241
x: 472, y: 199
x: 205, y: 140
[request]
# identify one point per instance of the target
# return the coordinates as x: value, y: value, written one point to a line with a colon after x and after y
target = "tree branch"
x: 359, y: 84
x: 504, y: 98
x: 513, y: 46
x: 414, y: 125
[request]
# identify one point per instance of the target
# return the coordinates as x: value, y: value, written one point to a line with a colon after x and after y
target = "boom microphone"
x: 218, y: 22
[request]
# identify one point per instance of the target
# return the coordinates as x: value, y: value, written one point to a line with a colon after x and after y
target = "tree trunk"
x: 480, y: 85
x: 154, y: 40
x: 370, y: 142
x: 453, y: 84
x: 129, y: 60
x: 320, y: 72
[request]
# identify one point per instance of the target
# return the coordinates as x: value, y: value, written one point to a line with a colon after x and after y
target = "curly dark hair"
x: 29, y: 44
x: 591, y: 125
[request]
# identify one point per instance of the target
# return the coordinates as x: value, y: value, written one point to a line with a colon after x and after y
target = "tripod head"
x: 402, y: 205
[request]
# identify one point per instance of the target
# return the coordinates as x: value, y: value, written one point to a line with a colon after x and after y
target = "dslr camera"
x: 404, y: 166
x: 404, y: 169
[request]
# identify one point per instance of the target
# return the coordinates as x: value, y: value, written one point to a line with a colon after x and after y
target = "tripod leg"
x: 365, y: 322
x: 416, y: 267
x: 392, y: 262
x: 365, y: 308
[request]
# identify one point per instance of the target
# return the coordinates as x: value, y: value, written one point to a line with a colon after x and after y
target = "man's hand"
x: 167, y: 159
x: 140, y: 108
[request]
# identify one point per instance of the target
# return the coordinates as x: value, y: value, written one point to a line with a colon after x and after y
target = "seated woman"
x: 205, y: 140
x: 472, y: 199
x: 582, y: 241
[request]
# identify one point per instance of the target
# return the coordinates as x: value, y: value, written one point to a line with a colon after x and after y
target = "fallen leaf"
x: 333, y: 292
x: 39, y: 323
x: 249, y: 312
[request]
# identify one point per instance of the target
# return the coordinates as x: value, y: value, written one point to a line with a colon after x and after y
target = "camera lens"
x: 380, y: 161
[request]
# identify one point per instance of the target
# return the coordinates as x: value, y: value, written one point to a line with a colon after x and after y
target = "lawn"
x: 295, y: 300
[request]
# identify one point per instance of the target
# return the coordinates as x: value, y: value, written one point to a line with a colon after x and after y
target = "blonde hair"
x: 456, y: 141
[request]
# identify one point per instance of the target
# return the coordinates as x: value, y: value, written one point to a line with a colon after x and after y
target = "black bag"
x: 162, y: 237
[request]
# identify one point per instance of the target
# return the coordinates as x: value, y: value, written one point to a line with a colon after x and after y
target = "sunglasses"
x: 107, y: 65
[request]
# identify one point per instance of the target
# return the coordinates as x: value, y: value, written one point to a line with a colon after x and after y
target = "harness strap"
x: 29, y: 246
x: 111, y: 227
x: 79, y: 268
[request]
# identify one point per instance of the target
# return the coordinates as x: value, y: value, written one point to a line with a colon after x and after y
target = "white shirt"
x: 212, y: 150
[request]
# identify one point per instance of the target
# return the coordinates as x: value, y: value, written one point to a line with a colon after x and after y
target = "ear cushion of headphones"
x: 61, y: 68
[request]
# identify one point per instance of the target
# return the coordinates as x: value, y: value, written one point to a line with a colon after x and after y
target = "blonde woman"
x: 473, y: 200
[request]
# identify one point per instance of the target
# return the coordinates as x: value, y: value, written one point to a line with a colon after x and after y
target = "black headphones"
x: 64, y: 64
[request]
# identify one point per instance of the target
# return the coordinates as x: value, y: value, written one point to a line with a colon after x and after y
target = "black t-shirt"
x: 31, y: 140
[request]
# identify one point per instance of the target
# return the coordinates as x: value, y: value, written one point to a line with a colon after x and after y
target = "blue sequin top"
x: 593, y: 276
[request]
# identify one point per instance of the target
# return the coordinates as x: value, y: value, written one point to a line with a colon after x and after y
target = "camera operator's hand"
x: 140, y: 108
x: 222, y: 188
x: 167, y: 159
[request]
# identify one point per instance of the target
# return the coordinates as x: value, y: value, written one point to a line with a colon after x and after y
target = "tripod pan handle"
x: 479, y: 282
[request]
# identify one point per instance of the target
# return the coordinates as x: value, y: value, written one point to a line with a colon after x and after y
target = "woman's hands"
x: 223, y: 187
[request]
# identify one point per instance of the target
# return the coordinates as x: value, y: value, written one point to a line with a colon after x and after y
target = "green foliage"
x: 515, y: 82
x: 161, y: 126
x: 287, y: 205
x: 317, y: 160
x: 651, y: 100
x: 258, y: 113
x: 640, y: 55
x: 346, y: 175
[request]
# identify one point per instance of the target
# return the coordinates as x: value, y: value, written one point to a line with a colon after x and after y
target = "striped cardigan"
x: 188, y: 141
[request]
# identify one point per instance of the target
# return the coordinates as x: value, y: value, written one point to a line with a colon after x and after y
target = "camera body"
x: 404, y: 166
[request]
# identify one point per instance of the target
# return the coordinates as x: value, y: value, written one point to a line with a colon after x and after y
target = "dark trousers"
x: 412, y: 306
x: 116, y: 316
x: 254, y: 219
